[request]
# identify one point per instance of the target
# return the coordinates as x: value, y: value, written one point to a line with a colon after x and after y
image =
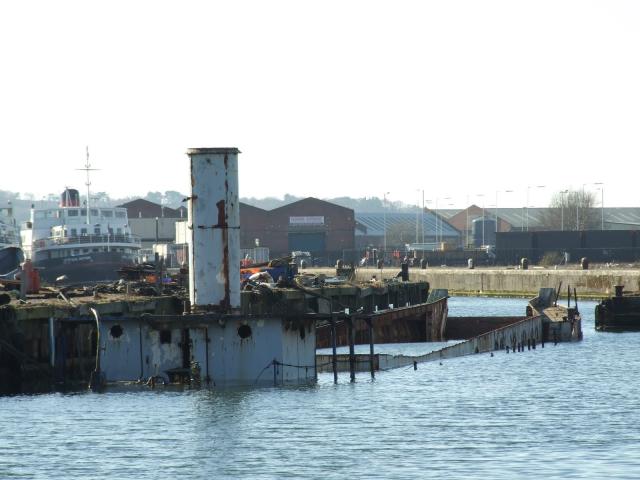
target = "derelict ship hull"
x: 85, y: 268
x: 618, y: 313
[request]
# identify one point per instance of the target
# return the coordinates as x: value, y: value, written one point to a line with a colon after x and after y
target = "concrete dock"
x: 595, y: 282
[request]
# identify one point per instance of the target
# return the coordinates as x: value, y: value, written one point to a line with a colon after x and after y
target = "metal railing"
x: 9, y: 239
x: 85, y: 239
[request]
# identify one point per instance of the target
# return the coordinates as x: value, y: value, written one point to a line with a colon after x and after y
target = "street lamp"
x: 578, y: 200
x: 527, y: 206
x: 424, y: 204
x: 384, y: 222
x: 438, y: 220
x: 497, y: 191
x: 449, y: 205
x: 562, y: 193
x: 482, y: 195
x: 422, y: 217
x: 467, y: 230
x: 418, y: 215
x: 601, y: 188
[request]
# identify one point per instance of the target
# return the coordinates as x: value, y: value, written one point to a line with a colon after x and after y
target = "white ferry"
x: 10, y: 253
x: 78, y: 243
x: 9, y: 236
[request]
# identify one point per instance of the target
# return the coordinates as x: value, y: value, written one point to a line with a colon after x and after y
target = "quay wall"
x: 593, y: 282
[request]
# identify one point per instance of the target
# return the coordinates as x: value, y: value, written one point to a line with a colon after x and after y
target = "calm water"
x: 569, y: 411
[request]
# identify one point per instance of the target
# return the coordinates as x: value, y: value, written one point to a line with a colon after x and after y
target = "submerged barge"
x: 544, y: 321
x: 620, y: 312
x: 150, y: 340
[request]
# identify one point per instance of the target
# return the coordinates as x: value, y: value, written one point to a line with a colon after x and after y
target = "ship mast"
x: 87, y: 168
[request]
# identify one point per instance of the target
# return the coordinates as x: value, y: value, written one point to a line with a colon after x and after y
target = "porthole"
x: 116, y: 331
x: 165, y: 336
x: 244, y: 331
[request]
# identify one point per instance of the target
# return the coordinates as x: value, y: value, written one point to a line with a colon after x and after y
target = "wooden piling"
x: 334, y: 358
x: 141, y: 350
x: 371, y: 358
x: 275, y: 372
x: 206, y: 345
x: 352, y: 350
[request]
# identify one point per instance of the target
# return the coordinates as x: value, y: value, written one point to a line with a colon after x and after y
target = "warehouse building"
x: 152, y: 222
x: 324, y: 229
x: 397, y: 229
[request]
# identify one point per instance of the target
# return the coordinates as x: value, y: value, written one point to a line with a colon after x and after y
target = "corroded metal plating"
x: 214, y: 223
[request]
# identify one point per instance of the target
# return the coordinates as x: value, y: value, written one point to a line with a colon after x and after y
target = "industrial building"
x: 324, y: 229
x: 558, y: 247
x: 528, y: 219
x: 152, y: 222
x: 472, y: 217
x: 331, y: 232
x: 397, y: 229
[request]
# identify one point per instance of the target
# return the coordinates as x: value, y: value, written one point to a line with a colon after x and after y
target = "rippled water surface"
x: 569, y: 411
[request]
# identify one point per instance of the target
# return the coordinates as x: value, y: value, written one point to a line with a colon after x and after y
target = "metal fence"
x: 558, y: 247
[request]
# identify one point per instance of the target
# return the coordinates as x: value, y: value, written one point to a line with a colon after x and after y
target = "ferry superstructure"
x: 9, y: 235
x: 80, y: 244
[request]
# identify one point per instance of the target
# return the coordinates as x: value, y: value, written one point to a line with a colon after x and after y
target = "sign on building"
x: 318, y: 220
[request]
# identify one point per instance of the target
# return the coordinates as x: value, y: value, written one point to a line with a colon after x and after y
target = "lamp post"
x: 436, y: 210
x: 577, y: 210
x: 418, y: 217
x: 439, y: 220
x: 467, y: 244
x: 384, y: 222
x: 527, y: 205
x: 498, y: 191
x: 601, y: 188
x: 562, y: 193
x: 579, y: 199
x: 449, y: 205
x: 422, y: 216
x: 482, y: 195
x: 424, y: 203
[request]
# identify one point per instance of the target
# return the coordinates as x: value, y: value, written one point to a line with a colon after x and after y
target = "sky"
x: 460, y: 99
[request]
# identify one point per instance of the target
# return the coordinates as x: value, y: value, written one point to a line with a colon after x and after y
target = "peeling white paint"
x: 231, y: 360
x: 214, y: 226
